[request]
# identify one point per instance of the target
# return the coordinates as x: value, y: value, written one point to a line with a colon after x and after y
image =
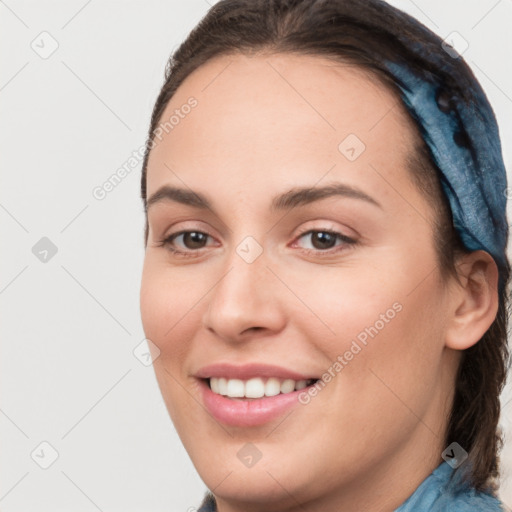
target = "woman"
x: 325, y: 271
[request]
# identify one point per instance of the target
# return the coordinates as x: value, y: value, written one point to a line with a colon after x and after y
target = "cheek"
x: 169, y: 306
x: 165, y: 297
x: 340, y: 304
x: 399, y: 349
x: 375, y: 323
x: 169, y: 313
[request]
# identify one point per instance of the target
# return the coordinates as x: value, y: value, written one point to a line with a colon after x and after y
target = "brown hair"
x: 365, y: 33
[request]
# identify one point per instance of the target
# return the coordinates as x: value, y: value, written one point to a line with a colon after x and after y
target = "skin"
x: 264, y: 125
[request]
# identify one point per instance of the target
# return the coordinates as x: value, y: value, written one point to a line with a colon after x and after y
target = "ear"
x: 474, y: 301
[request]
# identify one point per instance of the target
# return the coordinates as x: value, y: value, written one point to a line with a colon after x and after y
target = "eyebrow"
x: 298, y: 196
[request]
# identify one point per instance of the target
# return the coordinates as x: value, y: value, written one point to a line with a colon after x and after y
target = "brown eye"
x: 186, y: 241
x: 322, y: 239
x: 194, y: 239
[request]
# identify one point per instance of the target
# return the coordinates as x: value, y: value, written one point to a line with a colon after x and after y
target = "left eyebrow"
x: 305, y: 195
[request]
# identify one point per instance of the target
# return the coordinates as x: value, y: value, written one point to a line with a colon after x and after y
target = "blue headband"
x: 464, y: 142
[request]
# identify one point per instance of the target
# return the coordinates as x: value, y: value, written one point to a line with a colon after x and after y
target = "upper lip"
x: 249, y: 371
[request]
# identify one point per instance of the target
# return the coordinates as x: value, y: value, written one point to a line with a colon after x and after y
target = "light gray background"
x: 70, y: 325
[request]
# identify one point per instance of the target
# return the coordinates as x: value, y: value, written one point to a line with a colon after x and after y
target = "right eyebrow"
x: 180, y: 195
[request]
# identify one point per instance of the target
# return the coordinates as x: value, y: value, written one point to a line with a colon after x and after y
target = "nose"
x: 245, y: 301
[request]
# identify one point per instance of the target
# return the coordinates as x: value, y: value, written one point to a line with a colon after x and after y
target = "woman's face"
x: 308, y: 254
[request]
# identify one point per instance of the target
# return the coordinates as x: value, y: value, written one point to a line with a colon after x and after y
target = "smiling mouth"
x: 256, y: 387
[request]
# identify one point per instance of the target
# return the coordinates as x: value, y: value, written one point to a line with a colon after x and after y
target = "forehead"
x: 268, y: 116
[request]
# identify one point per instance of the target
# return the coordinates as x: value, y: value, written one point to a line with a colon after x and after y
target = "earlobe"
x: 474, y: 301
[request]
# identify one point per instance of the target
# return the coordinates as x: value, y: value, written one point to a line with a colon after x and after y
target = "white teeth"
x: 287, y: 386
x: 255, y: 387
x: 214, y: 384
x: 236, y: 388
x: 222, y: 385
x: 272, y: 387
x: 300, y: 384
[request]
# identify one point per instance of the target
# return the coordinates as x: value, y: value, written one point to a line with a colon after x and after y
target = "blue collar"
x: 439, y: 492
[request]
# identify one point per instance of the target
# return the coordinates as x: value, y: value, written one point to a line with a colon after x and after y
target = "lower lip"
x: 239, y: 412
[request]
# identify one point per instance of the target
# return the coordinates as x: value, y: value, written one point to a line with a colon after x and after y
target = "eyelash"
x: 191, y: 253
x: 327, y: 252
